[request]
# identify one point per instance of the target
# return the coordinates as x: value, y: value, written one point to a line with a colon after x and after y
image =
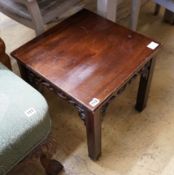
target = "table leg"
x: 93, y: 129
x: 26, y: 77
x: 23, y: 72
x: 144, y: 86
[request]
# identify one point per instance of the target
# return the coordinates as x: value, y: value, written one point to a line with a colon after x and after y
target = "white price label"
x: 29, y: 112
x: 152, y: 45
x: 94, y: 102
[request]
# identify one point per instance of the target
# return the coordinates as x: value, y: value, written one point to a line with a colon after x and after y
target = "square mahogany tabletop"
x: 86, y: 56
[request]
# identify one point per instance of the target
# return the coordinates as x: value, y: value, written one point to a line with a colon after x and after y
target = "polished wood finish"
x: 83, y: 58
x: 4, y: 58
x: 91, y: 56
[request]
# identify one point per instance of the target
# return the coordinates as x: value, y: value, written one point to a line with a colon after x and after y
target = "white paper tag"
x: 29, y: 112
x: 152, y: 45
x: 94, y: 102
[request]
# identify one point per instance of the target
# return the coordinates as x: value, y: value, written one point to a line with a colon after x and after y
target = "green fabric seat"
x: 24, y: 119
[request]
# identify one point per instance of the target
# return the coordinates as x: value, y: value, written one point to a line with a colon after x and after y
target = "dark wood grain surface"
x: 86, y: 56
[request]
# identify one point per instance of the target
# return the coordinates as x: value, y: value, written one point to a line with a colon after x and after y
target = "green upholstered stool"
x: 24, y: 122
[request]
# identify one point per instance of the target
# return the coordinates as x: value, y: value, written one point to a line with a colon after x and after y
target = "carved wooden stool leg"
x: 52, y: 167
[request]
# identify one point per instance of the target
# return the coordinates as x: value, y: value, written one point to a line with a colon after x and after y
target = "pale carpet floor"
x: 133, y: 143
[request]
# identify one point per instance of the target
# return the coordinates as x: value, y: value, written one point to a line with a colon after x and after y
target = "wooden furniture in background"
x: 108, y: 9
x: 37, y: 13
x: 88, y: 60
x: 167, y: 4
x: 169, y: 16
x: 169, y: 9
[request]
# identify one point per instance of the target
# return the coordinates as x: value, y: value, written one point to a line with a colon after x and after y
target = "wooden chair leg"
x: 4, y: 58
x: 51, y: 166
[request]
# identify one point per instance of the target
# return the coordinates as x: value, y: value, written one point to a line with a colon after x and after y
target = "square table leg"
x: 23, y: 72
x: 26, y: 77
x: 93, y: 130
x: 144, y: 86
